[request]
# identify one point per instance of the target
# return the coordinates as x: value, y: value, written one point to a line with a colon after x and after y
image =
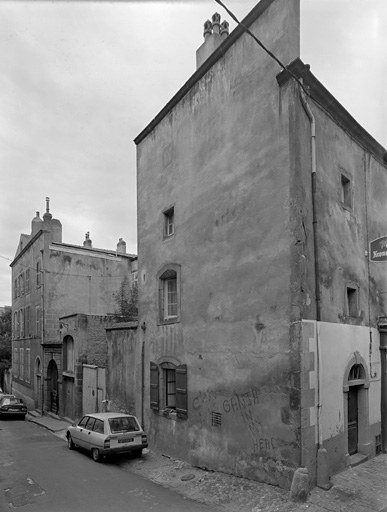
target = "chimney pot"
x: 224, y: 29
x: 216, y: 23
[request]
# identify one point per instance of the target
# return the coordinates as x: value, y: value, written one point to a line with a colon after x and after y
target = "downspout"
x: 143, y: 327
x: 42, y: 332
x: 383, y: 395
x: 322, y: 470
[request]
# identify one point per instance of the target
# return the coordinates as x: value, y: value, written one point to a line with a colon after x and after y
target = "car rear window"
x: 123, y: 425
x: 9, y: 401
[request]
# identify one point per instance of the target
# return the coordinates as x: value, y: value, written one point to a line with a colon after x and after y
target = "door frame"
x: 364, y: 444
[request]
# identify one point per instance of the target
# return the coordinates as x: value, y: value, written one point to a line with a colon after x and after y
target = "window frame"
x: 159, y: 391
x: 169, y: 273
x: 169, y: 227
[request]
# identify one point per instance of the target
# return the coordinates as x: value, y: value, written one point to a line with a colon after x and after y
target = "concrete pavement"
x: 359, y: 489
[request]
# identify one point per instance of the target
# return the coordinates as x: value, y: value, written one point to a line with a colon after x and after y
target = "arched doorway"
x: 38, y: 383
x: 356, y: 384
x: 52, y: 387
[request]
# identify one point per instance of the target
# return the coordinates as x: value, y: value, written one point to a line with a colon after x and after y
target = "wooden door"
x: 352, y: 420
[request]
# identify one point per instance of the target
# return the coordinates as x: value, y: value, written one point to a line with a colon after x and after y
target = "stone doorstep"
x: 356, y: 459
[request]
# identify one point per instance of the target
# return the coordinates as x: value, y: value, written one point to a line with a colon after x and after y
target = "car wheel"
x: 96, y: 455
x: 70, y: 443
x: 137, y: 453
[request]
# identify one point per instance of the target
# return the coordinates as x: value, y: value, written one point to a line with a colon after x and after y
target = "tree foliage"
x: 126, y: 300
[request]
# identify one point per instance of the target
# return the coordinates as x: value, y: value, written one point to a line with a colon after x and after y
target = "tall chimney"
x: 121, y: 246
x: 214, y: 34
x: 87, y: 242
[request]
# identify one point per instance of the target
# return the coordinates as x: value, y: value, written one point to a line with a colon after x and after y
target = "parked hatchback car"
x: 10, y: 406
x: 107, y: 433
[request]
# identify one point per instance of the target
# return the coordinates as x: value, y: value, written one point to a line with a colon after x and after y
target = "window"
x: 15, y: 325
x: 22, y: 284
x: 356, y: 373
x: 68, y: 354
x: 21, y: 363
x: 169, y: 294
x: 38, y: 321
x: 83, y: 421
x: 352, y: 301
x: 22, y: 323
x: 169, y: 222
x: 168, y: 388
x: 98, y: 427
x: 15, y: 362
x: 27, y: 280
x: 28, y: 364
x: 27, y: 321
x: 38, y: 276
x: 18, y: 324
x: 346, y: 192
x: 15, y: 289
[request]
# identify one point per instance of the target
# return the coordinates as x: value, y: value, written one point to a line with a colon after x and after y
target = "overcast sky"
x: 80, y: 80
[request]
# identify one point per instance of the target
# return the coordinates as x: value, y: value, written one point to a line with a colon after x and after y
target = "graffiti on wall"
x: 243, y: 406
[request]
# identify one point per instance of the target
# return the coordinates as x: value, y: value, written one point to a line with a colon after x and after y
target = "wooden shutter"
x: 181, y: 391
x: 154, y: 386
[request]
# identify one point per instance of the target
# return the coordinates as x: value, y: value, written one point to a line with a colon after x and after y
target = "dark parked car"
x: 107, y: 434
x: 11, y: 406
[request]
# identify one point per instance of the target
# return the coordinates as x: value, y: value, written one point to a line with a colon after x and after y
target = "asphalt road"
x: 39, y: 473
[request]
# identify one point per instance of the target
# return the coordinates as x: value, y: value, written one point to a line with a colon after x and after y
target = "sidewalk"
x: 359, y: 489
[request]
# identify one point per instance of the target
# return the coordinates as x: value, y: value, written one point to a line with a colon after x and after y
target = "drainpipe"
x: 322, y: 455
x: 383, y: 398
x: 42, y: 330
x: 143, y: 327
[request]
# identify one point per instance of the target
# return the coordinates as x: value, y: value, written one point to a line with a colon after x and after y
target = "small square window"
x: 346, y: 192
x: 352, y: 301
x: 169, y: 222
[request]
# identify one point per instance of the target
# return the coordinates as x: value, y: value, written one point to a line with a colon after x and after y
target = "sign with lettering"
x: 378, y: 249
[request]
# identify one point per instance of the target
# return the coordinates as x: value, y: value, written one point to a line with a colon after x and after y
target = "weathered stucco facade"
x: 258, y: 303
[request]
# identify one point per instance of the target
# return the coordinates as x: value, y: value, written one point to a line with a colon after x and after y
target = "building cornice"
x: 255, y: 13
x: 98, y: 252
x: 324, y: 99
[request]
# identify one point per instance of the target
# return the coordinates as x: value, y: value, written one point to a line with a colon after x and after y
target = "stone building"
x: 258, y: 196
x: 52, y: 279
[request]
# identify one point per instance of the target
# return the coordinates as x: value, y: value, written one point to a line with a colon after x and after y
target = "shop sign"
x: 378, y: 249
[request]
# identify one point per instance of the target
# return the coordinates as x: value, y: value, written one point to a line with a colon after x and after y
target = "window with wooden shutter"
x: 154, y: 386
x: 181, y: 391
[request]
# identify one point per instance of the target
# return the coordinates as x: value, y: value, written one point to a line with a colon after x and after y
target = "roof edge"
x: 325, y: 99
x: 27, y: 246
x: 255, y: 13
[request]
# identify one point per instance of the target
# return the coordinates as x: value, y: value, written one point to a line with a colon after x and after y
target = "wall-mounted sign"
x: 378, y: 249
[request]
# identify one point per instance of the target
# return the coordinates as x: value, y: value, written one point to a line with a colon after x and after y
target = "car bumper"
x: 122, y: 449
x: 5, y: 414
